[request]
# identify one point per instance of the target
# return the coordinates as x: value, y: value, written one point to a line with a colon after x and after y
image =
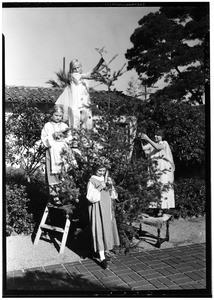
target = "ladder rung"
x: 58, y: 229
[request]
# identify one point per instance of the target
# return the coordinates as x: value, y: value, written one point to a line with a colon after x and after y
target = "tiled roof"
x: 48, y: 96
x: 37, y: 94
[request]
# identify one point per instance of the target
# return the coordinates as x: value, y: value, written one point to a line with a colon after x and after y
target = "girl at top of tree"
x: 100, y: 194
x: 75, y: 98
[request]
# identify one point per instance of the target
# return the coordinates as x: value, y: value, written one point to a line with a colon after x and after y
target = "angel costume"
x: 162, y: 165
x: 53, y: 151
x: 75, y: 100
x: 101, y: 215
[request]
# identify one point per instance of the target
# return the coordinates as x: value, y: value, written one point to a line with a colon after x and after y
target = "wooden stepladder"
x: 43, y: 226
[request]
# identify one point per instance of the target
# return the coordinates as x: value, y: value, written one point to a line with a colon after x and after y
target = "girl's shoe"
x: 104, y: 264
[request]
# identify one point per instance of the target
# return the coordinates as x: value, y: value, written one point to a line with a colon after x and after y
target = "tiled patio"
x: 170, y: 271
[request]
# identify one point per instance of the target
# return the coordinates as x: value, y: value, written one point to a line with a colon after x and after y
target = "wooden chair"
x: 44, y: 227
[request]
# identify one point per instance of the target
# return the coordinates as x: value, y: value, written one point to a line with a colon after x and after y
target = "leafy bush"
x: 190, y: 196
x: 23, y: 131
x: 16, y: 175
x: 17, y: 216
x: 35, y: 190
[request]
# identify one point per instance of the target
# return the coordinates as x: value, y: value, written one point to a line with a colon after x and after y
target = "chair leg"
x: 158, y: 244
x: 39, y: 232
x: 65, y: 235
x: 167, y: 230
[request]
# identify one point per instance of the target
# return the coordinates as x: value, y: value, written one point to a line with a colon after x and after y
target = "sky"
x: 37, y: 39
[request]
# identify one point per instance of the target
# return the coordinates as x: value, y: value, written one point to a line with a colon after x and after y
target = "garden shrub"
x: 16, y: 175
x: 35, y: 189
x: 17, y: 216
x: 22, y: 141
x: 190, y: 196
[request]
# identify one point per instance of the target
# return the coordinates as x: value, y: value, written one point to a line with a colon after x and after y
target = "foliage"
x: 103, y: 73
x: 17, y: 216
x: 23, y: 131
x: 15, y: 175
x: 35, y: 193
x: 135, y: 88
x: 63, y: 79
x: 190, y: 197
x: 170, y: 45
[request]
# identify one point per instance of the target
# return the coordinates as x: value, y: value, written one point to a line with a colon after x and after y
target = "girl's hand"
x: 103, y: 184
x: 144, y: 136
x: 109, y: 180
x: 57, y: 135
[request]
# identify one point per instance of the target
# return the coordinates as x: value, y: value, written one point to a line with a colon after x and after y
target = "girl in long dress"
x: 55, y: 141
x: 162, y: 166
x: 100, y: 194
x: 75, y: 98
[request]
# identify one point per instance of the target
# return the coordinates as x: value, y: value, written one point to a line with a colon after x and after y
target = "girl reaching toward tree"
x: 162, y: 165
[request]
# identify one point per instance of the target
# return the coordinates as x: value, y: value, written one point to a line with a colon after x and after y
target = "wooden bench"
x: 155, y: 222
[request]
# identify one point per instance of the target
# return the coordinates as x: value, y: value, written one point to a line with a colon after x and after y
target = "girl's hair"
x: 101, y: 162
x: 74, y: 63
x: 160, y: 132
x: 57, y: 108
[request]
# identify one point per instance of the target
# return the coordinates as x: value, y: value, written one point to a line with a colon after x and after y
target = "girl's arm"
x: 87, y: 75
x: 146, y: 147
x: 68, y: 137
x: 47, y: 136
x: 155, y: 145
x: 77, y: 77
x: 93, y: 195
x: 62, y: 133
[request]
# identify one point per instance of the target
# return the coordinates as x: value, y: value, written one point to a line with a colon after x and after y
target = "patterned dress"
x: 53, y: 149
x: 101, y: 216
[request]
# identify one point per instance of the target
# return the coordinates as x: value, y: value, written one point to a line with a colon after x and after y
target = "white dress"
x: 75, y: 99
x: 162, y: 165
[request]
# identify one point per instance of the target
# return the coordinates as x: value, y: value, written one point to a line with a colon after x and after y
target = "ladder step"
x: 55, y: 228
